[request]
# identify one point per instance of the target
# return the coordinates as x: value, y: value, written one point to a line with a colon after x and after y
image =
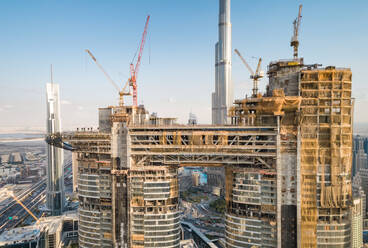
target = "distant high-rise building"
x: 216, y: 178
x: 363, y: 181
x: 365, y: 144
x: 192, y: 119
x: 360, y: 167
x: 55, y: 198
x: 357, y: 223
x: 360, y: 157
x: 222, y: 98
x: 196, y: 178
x: 358, y: 191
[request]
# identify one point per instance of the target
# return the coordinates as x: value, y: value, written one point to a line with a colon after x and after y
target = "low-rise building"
x: 49, y: 232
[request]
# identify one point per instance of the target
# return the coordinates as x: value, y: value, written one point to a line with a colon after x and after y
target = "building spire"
x: 51, y: 74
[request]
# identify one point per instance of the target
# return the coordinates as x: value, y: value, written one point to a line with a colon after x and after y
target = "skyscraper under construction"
x: 287, y: 159
x: 311, y: 108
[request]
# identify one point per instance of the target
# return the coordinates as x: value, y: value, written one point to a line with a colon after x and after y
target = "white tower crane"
x: 253, y: 75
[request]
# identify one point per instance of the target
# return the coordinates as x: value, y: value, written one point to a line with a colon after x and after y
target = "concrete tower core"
x: 55, y: 171
x: 222, y: 98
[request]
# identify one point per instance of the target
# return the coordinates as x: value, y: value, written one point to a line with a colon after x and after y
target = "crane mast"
x: 294, y: 40
x: 135, y: 69
x: 256, y: 77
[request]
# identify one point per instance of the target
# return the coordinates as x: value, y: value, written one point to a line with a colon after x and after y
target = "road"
x: 201, y: 216
x: 13, y: 215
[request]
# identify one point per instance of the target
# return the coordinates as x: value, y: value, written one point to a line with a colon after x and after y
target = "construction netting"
x: 326, y: 143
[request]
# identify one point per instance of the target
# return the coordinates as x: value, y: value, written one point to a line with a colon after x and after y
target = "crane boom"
x: 135, y: 69
x: 258, y: 67
x: 25, y: 208
x: 299, y: 19
x: 244, y: 62
x: 102, y: 69
x: 253, y: 75
x: 143, y: 42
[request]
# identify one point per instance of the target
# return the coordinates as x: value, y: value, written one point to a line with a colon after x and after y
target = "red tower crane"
x: 135, y: 69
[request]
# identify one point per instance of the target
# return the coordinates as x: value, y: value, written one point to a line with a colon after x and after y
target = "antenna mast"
x: 52, y: 79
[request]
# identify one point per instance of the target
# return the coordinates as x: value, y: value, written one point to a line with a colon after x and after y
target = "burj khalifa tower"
x: 222, y: 98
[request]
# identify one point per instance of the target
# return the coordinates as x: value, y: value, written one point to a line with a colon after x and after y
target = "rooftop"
x: 20, y: 235
x: 28, y: 233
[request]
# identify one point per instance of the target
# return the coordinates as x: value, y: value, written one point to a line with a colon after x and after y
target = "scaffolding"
x: 325, y: 152
x: 287, y: 162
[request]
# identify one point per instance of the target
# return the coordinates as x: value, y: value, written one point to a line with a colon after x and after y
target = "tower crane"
x: 122, y: 92
x: 253, y: 75
x: 135, y: 69
x: 294, y: 40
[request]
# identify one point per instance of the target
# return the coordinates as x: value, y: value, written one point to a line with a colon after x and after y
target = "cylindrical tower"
x: 94, y: 189
x: 155, y: 216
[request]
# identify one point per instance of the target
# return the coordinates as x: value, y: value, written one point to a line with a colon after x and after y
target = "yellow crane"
x: 294, y: 40
x: 253, y: 75
x: 20, y: 203
x: 121, y: 92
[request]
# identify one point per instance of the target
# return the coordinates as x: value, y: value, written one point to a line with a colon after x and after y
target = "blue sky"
x: 177, y: 71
